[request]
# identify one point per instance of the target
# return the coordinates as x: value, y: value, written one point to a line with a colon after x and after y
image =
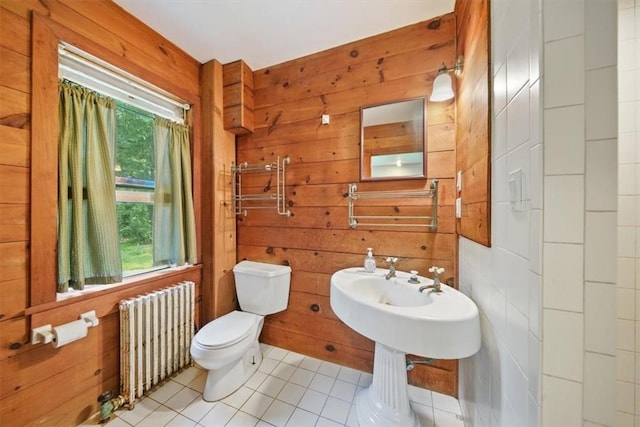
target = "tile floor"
x: 289, y: 389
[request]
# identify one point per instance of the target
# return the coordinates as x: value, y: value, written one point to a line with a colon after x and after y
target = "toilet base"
x: 227, y: 379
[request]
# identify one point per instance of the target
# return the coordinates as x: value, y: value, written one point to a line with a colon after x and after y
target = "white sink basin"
x: 393, y: 312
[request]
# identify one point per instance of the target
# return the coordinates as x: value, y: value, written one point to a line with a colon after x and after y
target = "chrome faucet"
x: 392, y: 267
x: 437, y: 271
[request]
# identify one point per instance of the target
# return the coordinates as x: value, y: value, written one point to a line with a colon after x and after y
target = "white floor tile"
x: 278, y: 413
x: 198, y: 409
x: 343, y: 390
x: 198, y: 383
x: 424, y: 414
x: 240, y: 419
x: 182, y: 399
x: 277, y: 354
x: 219, y: 415
x: 291, y: 393
x: 349, y: 375
x: 311, y: 363
x: 322, y: 383
x: 293, y: 358
x: 159, y: 417
x: 336, y: 410
x: 271, y: 386
x: 188, y: 375
x: 446, y: 403
x: 302, y: 377
x: 420, y: 395
x: 323, y: 422
x: 301, y: 418
x: 255, y: 380
x: 179, y: 421
x: 365, y: 379
x: 329, y: 369
x: 313, y: 401
x: 314, y: 393
x: 265, y: 348
x: 268, y: 365
x: 283, y: 371
x: 238, y: 397
x: 257, y: 404
x: 352, y: 419
x: 447, y: 419
x: 166, y: 391
x: 141, y: 409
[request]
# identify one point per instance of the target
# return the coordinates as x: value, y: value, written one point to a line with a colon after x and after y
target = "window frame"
x: 46, y: 36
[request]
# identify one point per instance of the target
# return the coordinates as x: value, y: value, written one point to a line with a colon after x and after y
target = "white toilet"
x: 228, y: 346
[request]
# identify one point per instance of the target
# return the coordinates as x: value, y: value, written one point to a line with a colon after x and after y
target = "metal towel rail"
x: 245, y: 202
x: 431, y: 193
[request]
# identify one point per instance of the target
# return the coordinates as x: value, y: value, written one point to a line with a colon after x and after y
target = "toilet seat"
x: 226, y: 330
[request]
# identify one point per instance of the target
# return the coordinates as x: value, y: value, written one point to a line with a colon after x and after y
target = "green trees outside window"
x: 135, y: 172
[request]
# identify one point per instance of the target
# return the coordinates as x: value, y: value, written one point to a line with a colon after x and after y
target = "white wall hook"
x: 42, y: 334
x: 90, y: 318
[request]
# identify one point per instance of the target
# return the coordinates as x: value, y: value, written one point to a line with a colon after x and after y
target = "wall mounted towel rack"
x: 429, y: 221
x: 266, y: 200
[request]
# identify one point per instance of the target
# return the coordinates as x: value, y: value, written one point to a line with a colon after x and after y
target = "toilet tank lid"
x: 261, y: 269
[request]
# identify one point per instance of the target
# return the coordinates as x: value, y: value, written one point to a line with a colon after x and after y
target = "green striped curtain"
x: 88, y: 249
x: 174, y: 231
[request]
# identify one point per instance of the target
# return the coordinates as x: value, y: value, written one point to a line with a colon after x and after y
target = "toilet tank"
x: 262, y: 288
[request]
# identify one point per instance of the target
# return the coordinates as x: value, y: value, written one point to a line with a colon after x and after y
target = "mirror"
x: 393, y: 141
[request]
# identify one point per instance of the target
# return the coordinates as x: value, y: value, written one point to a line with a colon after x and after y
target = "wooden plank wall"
x: 219, y: 225
x: 315, y: 241
x: 40, y: 385
x: 473, y: 129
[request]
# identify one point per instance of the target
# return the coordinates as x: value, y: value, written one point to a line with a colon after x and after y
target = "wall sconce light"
x: 442, y: 85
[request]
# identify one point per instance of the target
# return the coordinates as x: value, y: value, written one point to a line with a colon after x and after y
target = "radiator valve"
x: 108, y: 405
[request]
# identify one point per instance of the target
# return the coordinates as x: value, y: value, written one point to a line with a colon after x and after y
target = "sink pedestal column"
x: 386, y: 401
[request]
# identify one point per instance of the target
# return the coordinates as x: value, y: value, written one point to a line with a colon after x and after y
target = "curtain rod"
x: 68, y: 51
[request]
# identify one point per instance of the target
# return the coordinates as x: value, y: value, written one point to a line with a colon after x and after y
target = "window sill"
x: 129, y: 283
x: 130, y: 280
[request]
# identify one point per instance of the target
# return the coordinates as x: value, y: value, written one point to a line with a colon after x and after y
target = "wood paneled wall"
x: 40, y: 385
x: 473, y: 128
x: 316, y: 240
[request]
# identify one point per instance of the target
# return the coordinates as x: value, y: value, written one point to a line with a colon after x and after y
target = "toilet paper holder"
x: 44, y: 334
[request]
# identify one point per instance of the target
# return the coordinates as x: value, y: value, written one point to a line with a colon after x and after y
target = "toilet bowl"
x: 228, y: 347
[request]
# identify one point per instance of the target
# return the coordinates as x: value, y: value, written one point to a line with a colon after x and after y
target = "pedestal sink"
x: 400, y: 319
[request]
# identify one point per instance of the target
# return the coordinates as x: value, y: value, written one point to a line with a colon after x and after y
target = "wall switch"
x: 325, y: 119
x: 514, y: 180
x: 459, y: 207
x: 459, y: 181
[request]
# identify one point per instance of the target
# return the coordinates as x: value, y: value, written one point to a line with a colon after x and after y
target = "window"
x: 47, y: 37
x: 142, y: 199
x: 135, y: 185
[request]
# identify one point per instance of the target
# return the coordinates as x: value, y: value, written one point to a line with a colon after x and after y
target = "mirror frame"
x: 424, y: 141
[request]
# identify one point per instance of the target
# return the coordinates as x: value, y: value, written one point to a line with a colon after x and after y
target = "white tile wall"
x: 548, y: 356
x: 564, y: 208
x: 628, y: 263
x: 600, y: 389
x: 601, y: 160
x: 563, y: 279
x: 562, y: 402
x: 564, y: 145
x: 564, y: 74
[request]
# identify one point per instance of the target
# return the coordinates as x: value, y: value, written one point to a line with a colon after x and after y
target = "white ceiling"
x: 268, y: 32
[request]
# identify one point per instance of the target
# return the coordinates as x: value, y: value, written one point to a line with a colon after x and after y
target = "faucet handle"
x: 414, y: 277
x: 391, y: 259
x: 437, y: 271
